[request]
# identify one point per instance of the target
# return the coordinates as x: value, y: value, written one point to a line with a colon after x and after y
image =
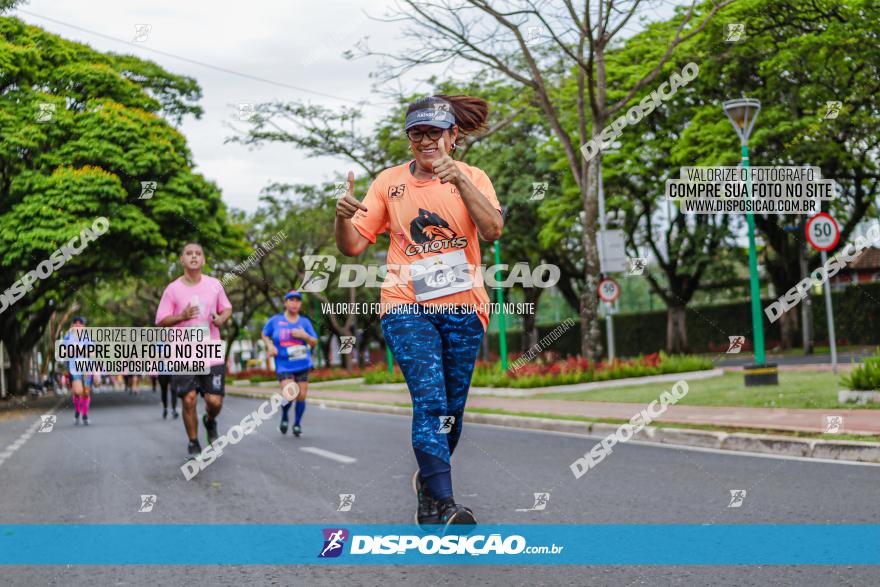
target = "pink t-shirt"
x: 207, y: 295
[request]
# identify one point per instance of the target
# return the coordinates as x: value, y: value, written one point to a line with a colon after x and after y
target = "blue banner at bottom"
x: 258, y: 544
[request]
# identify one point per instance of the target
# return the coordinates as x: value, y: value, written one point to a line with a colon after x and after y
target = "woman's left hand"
x: 445, y: 167
x: 299, y: 333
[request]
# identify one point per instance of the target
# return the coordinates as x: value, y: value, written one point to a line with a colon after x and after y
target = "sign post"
x: 609, y: 291
x: 823, y: 235
x: 605, y: 239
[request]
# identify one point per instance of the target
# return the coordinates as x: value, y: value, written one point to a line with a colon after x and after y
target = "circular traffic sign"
x: 822, y: 232
x: 609, y: 290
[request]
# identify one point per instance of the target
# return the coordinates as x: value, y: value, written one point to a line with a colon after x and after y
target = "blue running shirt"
x: 294, y: 354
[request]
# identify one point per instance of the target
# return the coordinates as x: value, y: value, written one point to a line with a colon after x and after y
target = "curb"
x: 840, y: 450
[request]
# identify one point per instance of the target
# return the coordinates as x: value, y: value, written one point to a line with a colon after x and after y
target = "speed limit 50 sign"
x: 822, y: 232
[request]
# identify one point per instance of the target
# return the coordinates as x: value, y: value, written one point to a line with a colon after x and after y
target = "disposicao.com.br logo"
x: 475, y: 545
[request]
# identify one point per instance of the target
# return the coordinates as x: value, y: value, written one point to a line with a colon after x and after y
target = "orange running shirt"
x: 426, y: 219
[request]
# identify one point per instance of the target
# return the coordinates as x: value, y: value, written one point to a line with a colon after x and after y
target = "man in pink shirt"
x: 194, y: 300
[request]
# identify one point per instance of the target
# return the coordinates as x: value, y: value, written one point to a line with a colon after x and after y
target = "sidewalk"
x: 573, y: 388
x: 855, y: 421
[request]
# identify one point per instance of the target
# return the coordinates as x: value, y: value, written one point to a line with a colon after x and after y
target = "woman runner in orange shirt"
x: 435, y: 209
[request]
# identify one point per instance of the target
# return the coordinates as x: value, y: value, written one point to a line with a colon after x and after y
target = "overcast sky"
x: 291, y: 43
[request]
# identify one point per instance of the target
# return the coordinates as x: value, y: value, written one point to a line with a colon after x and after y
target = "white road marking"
x: 329, y: 455
x: 26, y: 435
x: 20, y: 441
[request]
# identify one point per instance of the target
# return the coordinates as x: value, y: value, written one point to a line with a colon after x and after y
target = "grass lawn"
x: 796, y: 389
x: 799, y: 352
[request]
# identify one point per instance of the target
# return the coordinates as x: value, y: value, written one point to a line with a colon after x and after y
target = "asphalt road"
x: 97, y: 474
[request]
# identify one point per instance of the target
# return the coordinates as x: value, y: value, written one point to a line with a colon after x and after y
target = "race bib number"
x: 297, y: 351
x: 441, y: 275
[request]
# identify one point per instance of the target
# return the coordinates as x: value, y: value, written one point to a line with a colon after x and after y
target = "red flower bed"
x: 550, y: 364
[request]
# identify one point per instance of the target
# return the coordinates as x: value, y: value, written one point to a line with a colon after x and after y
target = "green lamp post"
x: 499, y: 296
x: 742, y: 113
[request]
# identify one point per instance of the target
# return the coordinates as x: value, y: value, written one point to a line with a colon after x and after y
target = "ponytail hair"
x: 471, y: 113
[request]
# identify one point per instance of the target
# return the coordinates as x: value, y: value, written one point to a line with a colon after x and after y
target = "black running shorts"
x: 213, y: 383
x: 298, y: 376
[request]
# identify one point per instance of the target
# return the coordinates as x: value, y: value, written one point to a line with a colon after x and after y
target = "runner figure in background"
x: 196, y: 300
x: 290, y: 338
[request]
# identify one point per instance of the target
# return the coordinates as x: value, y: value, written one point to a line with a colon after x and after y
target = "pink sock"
x: 76, y: 404
x: 84, y: 404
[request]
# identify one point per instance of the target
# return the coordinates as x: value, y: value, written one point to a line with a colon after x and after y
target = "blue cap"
x: 293, y: 294
x: 78, y: 319
x: 438, y: 114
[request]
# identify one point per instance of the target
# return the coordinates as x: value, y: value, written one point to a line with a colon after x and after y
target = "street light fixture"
x: 742, y: 113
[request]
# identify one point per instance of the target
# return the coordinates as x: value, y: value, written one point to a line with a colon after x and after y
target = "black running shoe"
x: 76, y: 418
x: 194, y: 448
x: 426, y: 512
x: 283, y: 425
x: 452, y: 513
x: 297, y: 430
x: 85, y: 420
x: 210, y: 428
x: 175, y: 414
x: 165, y: 413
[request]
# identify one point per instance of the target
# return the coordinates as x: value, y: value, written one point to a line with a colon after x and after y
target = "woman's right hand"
x: 347, y: 206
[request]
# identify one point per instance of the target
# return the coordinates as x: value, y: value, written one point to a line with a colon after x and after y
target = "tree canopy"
x: 81, y: 131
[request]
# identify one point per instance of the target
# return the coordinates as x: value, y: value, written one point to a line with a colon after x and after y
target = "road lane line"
x: 20, y: 441
x: 26, y: 435
x: 333, y: 456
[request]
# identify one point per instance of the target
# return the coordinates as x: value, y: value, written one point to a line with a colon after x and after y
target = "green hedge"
x: 856, y: 321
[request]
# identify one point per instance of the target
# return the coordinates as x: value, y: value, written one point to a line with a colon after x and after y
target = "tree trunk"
x: 530, y: 320
x: 325, y: 350
x: 676, y: 330
x: 19, y: 364
x: 346, y: 358
x: 19, y: 357
x: 364, y: 346
x: 788, y: 325
x: 591, y: 345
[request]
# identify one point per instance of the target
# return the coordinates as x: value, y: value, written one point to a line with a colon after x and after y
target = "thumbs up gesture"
x: 348, y: 205
x: 445, y: 167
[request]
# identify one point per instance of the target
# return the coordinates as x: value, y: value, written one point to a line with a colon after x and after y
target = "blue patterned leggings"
x: 436, y: 353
